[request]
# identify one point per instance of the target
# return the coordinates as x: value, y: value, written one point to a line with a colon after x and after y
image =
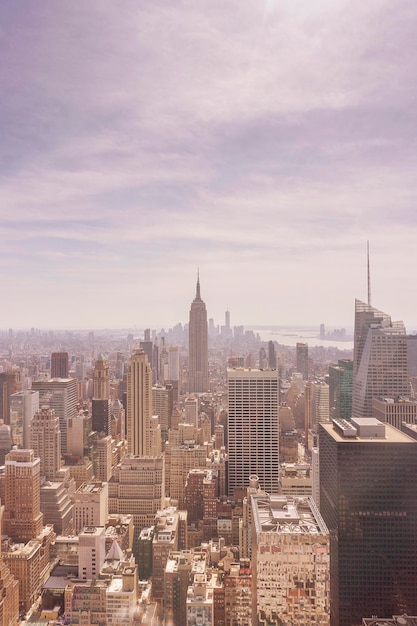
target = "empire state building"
x: 198, y: 378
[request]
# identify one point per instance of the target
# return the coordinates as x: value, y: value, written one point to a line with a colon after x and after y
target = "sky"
x: 261, y: 141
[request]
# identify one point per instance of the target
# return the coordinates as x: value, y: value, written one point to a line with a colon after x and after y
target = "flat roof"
x: 392, y: 435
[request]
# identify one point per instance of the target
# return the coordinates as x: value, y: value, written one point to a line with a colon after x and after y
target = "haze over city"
x: 263, y: 142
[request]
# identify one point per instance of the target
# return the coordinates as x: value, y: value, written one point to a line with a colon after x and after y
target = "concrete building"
x: 9, y: 384
x: 137, y: 487
x: 91, y: 552
x: 59, y: 365
x: 253, y: 428
x: 198, y: 373
x: 395, y: 411
x: 23, y: 406
x: 380, y: 365
x: 91, y: 505
x: 290, y: 561
x: 22, y: 518
x: 139, y: 404
x: 45, y: 441
x: 302, y: 359
x: 368, y: 499
x: 59, y: 394
x: 238, y: 595
x: 165, y: 541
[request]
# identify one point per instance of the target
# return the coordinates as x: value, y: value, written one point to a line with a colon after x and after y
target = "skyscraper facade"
x: 379, y: 358
x: 59, y: 394
x: 302, y: 359
x: 59, y: 365
x: 198, y: 375
x: 368, y: 500
x: 340, y: 389
x: 100, y: 405
x: 45, y: 440
x: 139, y: 404
x: 253, y: 428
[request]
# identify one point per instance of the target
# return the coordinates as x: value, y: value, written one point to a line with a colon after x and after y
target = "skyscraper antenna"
x: 369, y: 276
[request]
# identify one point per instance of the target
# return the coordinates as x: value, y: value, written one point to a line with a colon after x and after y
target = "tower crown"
x: 197, y: 291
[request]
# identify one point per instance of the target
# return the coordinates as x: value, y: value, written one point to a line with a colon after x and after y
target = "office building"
x: 45, y: 438
x: 368, y: 500
x: 23, y: 406
x: 253, y: 428
x: 59, y: 394
x: 100, y: 404
x: 290, y: 562
x: 9, y: 384
x: 198, y: 374
x: 139, y: 404
x: 301, y: 350
x: 22, y: 519
x: 379, y: 358
x: 59, y: 365
x: 165, y: 541
x: 340, y: 389
x: 91, y: 552
x: 9, y: 600
x: 137, y: 487
x: 91, y: 505
x: 395, y: 411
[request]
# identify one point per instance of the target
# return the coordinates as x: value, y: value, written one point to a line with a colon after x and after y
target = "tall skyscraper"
x: 23, y: 406
x: 340, y: 389
x: 9, y: 384
x: 198, y: 375
x: 253, y: 428
x: 302, y: 359
x: 45, y: 440
x: 59, y: 365
x: 22, y: 519
x: 379, y: 358
x: 368, y: 500
x: 100, y: 405
x: 59, y: 394
x: 139, y: 404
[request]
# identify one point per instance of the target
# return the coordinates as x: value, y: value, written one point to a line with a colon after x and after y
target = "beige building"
x: 45, y: 441
x: 91, y: 552
x: 165, y: 541
x: 139, y: 404
x: 91, y: 505
x: 395, y: 411
x: 22, y: 519
x: 137, y: 487
x: 290, y: 561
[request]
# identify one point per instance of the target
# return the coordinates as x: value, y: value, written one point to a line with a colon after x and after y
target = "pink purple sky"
x: 262, y: 141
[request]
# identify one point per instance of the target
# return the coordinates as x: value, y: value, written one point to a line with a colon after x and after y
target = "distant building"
x: 395, y: 411
x: 23, y: 406
x: 59, y: 365
x: 59, y: 394
x: 302, y: 359
x: 380, y: 365
x: 340, y: 389
x: 139, y: 404
x: 45, y: 438
x: 198, y: 374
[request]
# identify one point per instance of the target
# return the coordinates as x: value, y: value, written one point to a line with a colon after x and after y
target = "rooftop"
x: 287, y: 514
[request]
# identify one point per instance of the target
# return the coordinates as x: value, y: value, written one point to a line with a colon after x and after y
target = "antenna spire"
x: 369, y: 275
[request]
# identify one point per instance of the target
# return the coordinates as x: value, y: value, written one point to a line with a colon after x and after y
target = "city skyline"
x: 264, y: 142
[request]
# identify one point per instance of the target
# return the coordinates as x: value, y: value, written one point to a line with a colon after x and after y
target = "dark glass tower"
x: 368, y: 500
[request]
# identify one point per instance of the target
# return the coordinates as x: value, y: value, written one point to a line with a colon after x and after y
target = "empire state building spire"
x: 198, y: 377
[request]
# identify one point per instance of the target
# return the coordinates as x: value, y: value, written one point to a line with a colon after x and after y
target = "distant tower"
x: 227, y: 320
x: 59, y: 394
x: 302, y: 359
x: 59, y: 365
x: 340, y: 389
x: 100, y: 405
x: 46, y: 441
x: 272, y: 355
x: 198, y: 377
x: 380, y: 365
x: 139, y: 404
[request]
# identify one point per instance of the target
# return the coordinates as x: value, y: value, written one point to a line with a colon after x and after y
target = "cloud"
x: 263, y: 141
